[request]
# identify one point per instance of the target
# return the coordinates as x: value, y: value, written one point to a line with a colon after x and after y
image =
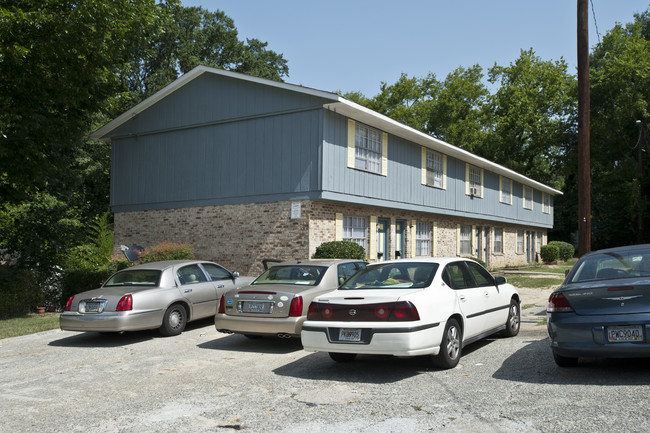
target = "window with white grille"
x: 474, y: 181
x: 506, y: 191
x: 528, y: 197
x: 466, y: 240
x: 355, y: 229
x: 520, y: 241
x: 368, y: 148
x: 423, y: 239
x: 498, y: 240
x: 435, y: 169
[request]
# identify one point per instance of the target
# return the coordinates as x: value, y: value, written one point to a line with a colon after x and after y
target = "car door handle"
x: 188, y: 290
x: 462, y: 298
x: 220, y: 286
x: 487, y: 293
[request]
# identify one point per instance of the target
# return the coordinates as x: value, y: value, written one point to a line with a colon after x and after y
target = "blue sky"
x: 354, y: 45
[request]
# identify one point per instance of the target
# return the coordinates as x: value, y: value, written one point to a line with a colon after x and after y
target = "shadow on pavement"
x: 534, y: 363
x: 240, y: 343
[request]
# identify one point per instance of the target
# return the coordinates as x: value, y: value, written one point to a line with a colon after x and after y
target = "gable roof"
x: 337, y: 104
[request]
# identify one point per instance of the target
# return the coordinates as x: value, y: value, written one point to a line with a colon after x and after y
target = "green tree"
x: 458, y: 112
x: 620, y: 95
x: 60, y: 61
x: 534, y: 111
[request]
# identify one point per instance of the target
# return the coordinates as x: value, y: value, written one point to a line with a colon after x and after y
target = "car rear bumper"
x: 586, y: 336
x: 408, y: 340
x: 259, y: 325
x: 111, y: 322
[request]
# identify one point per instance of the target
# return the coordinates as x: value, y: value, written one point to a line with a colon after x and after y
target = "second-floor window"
x: 434, y: 168
x: 505, y: 195
x: 546, y: 202
x: 528, y: 197
x: 368, y: 148
x: 473, y: 181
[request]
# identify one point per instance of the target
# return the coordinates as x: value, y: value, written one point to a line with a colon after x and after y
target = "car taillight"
x: 125, y: 304
x: 296, y: 307
x: 222, y: 305
x: 558, y: 303
x: 68, y: 304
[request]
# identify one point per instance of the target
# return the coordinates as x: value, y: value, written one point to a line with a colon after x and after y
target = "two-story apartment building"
x: 244, y: 168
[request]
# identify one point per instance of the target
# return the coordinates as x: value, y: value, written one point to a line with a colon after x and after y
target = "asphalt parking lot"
x: 203, y: 381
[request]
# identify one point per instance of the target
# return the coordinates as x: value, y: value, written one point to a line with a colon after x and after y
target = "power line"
x: 593, y: 12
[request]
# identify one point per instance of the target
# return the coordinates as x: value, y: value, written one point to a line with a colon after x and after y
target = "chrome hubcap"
x: 514, y: 317
x: 175, y: 319
x: 453, y: 342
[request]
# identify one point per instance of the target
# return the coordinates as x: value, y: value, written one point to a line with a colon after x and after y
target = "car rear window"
x: 612, y: 265
x: 393, y: 276
x: 145, y: 277
x: 292, y: 274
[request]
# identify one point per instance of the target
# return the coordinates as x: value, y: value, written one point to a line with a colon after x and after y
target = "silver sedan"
x: 602, y: 309
x: 159, y: 295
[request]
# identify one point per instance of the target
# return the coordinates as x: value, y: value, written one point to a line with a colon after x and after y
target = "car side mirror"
x: 500, y: 280
x: 235, y: 275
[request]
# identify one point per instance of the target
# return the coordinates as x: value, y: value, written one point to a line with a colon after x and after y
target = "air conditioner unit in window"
x: 473, y: 191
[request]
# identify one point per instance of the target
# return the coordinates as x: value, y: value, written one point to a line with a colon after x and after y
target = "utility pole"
x: 584, y: 163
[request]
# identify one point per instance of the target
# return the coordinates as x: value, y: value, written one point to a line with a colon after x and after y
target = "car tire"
x: 343, y: 357
x: 174, y: 320
x: 450, y: 346
x: 565, y: 361
x: 513, y: 323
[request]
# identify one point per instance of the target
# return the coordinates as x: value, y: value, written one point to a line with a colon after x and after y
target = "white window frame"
x: 355, y: 229
x: 520, y: 241
x: 423, y: 239
x: 474, y: 181
x: 527, y: 197
x: 497, y: 242
x: 465, y: 241
x: 434, y: 168
x: 505, y: 190
x: 546, y: 202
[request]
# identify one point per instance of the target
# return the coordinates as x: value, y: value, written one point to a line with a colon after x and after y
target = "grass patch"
x: 559, y: 268
x: 29, y: 324
x: 547, y: 282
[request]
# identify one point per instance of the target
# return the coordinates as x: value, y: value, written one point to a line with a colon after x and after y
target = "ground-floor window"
x: 498, y: 240
x: 423, y: 239
x: 520, y: 241
x: 466, y: 240
x: 355, y: 229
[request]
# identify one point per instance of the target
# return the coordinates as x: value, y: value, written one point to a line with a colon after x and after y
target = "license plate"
x: 255, y: 307
x: 94, y: 307
x: 617, y: 334
x: 349, y: 334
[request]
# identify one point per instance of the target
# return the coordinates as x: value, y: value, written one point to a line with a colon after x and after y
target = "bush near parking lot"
x: 566, y: 250
x: 19, y: 292
x: 167, y: 251
x: 340, y: 250
x: 549, y: 253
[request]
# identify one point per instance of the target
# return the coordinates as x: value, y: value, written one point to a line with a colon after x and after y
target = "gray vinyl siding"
x: 402, y: 187
x: 261, y: 159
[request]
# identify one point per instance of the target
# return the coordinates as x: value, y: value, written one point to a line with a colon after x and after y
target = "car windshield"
x: 299, y: 275
x: 145, y: 277
x: 612, y: 265
x: 393, y: 276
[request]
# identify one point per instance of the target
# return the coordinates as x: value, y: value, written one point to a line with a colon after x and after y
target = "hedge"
x: 340, y: 250
x: 566, y: 250
x: 549, y: 253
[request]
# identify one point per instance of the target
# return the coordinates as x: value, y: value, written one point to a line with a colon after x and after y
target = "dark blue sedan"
x: 602, y: 309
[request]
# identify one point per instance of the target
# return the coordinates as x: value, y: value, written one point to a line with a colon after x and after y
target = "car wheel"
x: 564, y: 361
x: 450, y: 346
x: 174, y: 321
x: 343, y: 357
x: 514, y: 319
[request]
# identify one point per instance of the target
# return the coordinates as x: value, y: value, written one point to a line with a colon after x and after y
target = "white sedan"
x: 432, y: 306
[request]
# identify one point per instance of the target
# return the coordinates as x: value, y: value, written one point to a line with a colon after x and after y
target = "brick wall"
x: 239, y: 236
